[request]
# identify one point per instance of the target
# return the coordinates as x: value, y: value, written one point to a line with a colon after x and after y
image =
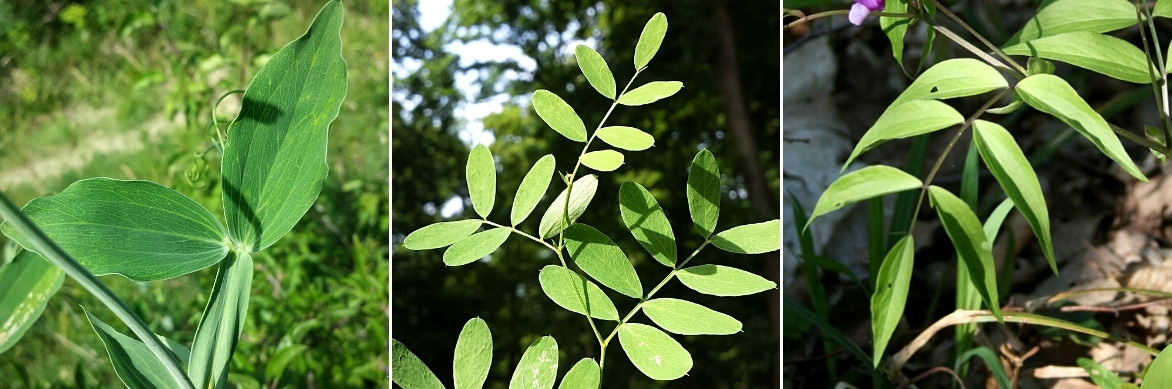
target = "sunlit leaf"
x: 966, y: 233
x: 719, y: 280
x: 953, y: 78
x: 906, y: 120
x: 538, y: 368
x: 473, y: 356
x: 532, y: 189
x: 1012, y: 170
x: 476, y: 246
x: 274, y: 163
x: 600, y: 258
x: 653, y: 352
x: 1163, y: 8
x: 1061, y: 16
x: 26, y: 284
x: 650, y: 39
x: 1099, y: 374
x: 567, y: 289
x: 553, y: 221
x: 559, y: 115
x: 596, y: 71
x: 704, y: 192
x: 481, y: 175
x: 410, y: 372
x: 688, y: 318
x: 440, y: 234
x: 645, y: 219
x: 586, y: 374
x: 1159, y: 373
x: 650, y: 92
x: 134, y: 363
x: 891, y: 289
x: 222, y: 322
x: 626, y: 138
x: 1100, y: 53
x: 1052, y: 95
x: 754, y: 238
x: 139, y: 229
x: 862, y: 184
x: 895, y: 27
x: 603, y: 160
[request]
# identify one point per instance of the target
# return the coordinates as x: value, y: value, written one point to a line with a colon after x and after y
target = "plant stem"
x: 807, y: 18
x: 55, y: 255
x: 979, y: 37
x: 639, y: 306
x: 940, y: 160
x: 522, y: 233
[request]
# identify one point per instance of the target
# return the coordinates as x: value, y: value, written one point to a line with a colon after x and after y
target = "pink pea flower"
x: 862, y: 8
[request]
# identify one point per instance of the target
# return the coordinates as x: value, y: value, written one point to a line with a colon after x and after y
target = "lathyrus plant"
x: 1070, y: 31
x: 272, y: 171
x: 595, y: 257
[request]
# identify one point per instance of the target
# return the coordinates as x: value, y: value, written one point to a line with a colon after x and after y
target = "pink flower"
x: 862, y: 8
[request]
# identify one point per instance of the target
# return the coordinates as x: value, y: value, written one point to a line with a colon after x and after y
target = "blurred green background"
x: 122, y: 89
x: 727, y: 55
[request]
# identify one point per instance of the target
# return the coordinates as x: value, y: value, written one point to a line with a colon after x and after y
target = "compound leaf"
x: 726, y: 281
x: 274, y: 163
x: 688, y: 318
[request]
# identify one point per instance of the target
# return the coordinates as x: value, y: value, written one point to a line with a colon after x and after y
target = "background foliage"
x: 121, y: 88
x: 726, y: 56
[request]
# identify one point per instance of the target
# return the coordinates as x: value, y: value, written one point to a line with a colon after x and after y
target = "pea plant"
x: 587, y: 257
x: 272, y: 171
x: 1069, y: 31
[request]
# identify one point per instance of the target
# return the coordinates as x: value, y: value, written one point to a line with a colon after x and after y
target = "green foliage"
x: 412, y: 373
x: 890, y: 297
x: 1100, y: 53
x: 645, y: 219
x: 481, y: 174
x: 655, y: 353
x: 29, y: 281
x: 688, y: 318
x: 568, y: 290
x: 473, y: 355
x: 538, y: 367
x: 132, y: 360
x: 1159, y: 372
x: 601, y: 259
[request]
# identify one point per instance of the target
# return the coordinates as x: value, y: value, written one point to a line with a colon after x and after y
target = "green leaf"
x: 862, y: 184
x: 222, y: 322
x: 1036, y: 65
x: 647, y: 222
x: 603, y: 160
x: 688, y: 318
x: 275, y: 369
x: 725, y: 281
x: 626, y: 138
x: 1100, y: 375
x: 553, y: 221
x: 966, y: 233
x: 754, y: 238
x: 704, y: 192
x: 565, y: 288
x: 650, y: 92
x: 442, y: 234
x: 538, y: 368
x: 1052, y: 95
x: 477, y: 246
x: 1061, y: 16
x: 891, y: 288
x: 991, y: 361
x: 906, y: 120
x: 274, y: 163
x: 410, y: 372
x: 559, y: 115
x: 1100, y: 53
x: 532, y: 189
x: 134, y: 363
x: 138, y: 229
x: 895, y: 27
x: 953, y: 78
x: 586, y: 374
x: 653, y: 352
x: 1159, y: 373
x: 473, y: 355
x: 1013, y: 171
x: 481, y: 175
x: 181, y: 352
x: 791, y: 306
x: 1163, y: 8
x: 650, y: 39
x: 602, y: 259
x: 595, y: 69
x: 26, y: 284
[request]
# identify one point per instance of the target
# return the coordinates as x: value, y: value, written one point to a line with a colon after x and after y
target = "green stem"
x: 55, y: 255
x: 807, y: 18
x: 523, y: 233
x: 639, y: 306
x: 1162, y: 97
x: 216, y: 123
x: 979, y: 37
